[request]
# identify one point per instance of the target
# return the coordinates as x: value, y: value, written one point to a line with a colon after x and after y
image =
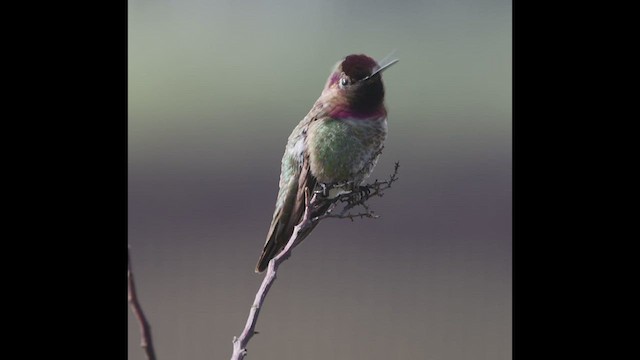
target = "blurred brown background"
x: 215, y: 88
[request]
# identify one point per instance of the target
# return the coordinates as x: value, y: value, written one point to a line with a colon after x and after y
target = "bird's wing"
x: 291, y: 198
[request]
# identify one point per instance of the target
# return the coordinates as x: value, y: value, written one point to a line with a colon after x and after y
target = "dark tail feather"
x: 273, y: 247
x: 269, y: 252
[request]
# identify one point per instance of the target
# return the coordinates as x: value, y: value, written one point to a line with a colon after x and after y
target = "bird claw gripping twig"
x: 360, y: 194
x: 323, y: 190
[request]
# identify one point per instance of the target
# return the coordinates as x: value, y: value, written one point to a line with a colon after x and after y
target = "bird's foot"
x: 360, y: 194
x: 323, y: 191
x: 334, y: 190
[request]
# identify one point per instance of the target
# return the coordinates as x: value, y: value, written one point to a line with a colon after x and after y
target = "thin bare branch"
x: 311, y: 205
x: 240, y: 343
x: 146, y: 341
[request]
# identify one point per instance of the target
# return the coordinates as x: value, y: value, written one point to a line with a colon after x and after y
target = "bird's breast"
x: 343, y: 150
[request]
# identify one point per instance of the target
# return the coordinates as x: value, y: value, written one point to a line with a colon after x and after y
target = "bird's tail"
x: 278, y: 238
x: 269, y: 252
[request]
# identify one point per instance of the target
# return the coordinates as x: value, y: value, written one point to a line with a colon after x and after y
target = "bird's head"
x: 357, y: 80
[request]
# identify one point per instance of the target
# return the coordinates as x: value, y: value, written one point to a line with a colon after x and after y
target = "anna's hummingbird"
x: 335, y: 146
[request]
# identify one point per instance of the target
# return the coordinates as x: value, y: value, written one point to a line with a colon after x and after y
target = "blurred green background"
x: 215, y: 88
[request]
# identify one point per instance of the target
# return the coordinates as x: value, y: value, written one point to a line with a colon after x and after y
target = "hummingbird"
x: 335, y: 146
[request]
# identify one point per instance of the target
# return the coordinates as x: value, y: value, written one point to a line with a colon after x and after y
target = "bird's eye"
x: 344, y: 82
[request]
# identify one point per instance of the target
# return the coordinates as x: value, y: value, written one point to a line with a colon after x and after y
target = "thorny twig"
x: 352, y: 200
x: 359, y: 198
x: 240, y: 343
x: 146, y: 341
